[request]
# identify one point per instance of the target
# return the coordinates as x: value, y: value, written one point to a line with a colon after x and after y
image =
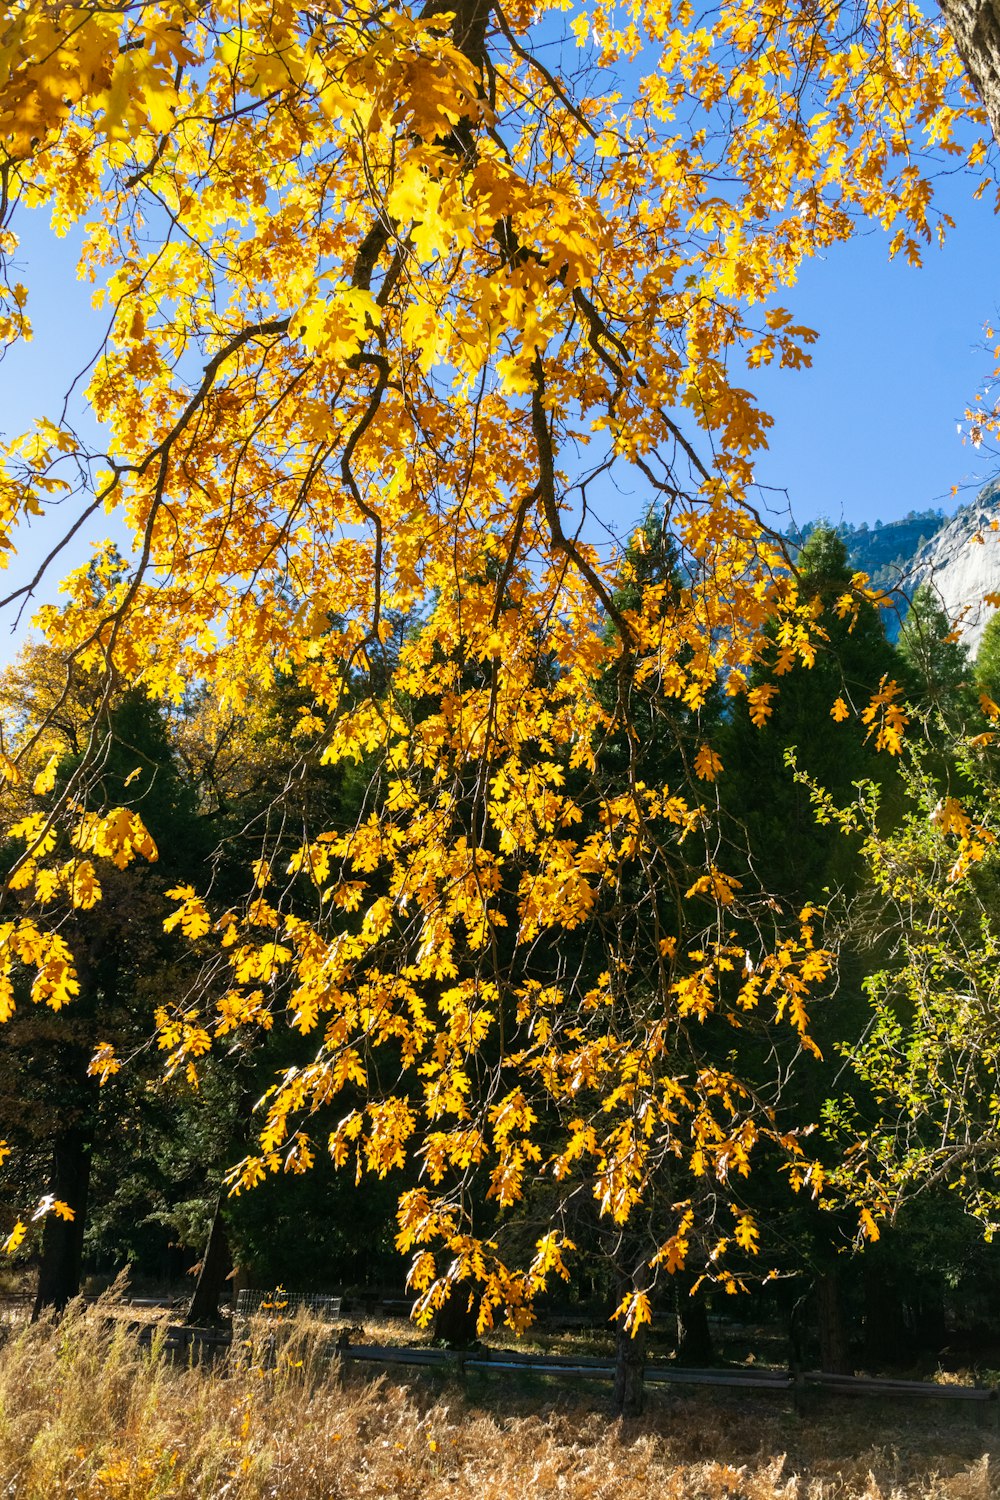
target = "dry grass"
x: 85, y: 1414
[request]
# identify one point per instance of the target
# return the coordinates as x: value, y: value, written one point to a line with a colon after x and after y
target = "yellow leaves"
x: 55, y: 982
x: 720, y: 886
x: 261, y: 962
x: 334, y: 327
x: 804, y: 1174
x: 15, y: 1238
x: 950, y: 817
x: 119, y: 835
x: 550, y: 1252
x: 760, y: 703
x: 235, y: 1009
x: 425, y: 333
x: 869, y: 1228
x: 673, y: 1253
x: 512, y: 1113
x: 707, y: 764
x: 415, y: 198
x: 185, y: 1038
x: 840, y: 711
x: 635, y: 1309
x: 50, y: 1204
x: 46, y: 778
x: 885, y: 717
x: 104, y: 1064
x: 746, y: 1233
x: 191, y: 916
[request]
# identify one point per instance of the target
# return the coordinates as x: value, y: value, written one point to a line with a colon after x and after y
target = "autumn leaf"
x: 15, y: 1238
x: 707, y: 764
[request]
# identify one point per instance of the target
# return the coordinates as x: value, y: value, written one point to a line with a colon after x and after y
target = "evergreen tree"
x: 937, y: 664
x: 987, y: 666
x: 816, y: 718
x: 794, y: 857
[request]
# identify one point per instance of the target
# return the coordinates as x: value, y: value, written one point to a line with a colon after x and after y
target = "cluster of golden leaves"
x: 379, y: 284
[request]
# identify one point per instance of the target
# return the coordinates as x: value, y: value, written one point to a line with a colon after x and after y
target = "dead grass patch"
x: 85, y: 1414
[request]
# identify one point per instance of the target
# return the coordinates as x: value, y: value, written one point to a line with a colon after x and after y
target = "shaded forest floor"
x: 85, y: 1414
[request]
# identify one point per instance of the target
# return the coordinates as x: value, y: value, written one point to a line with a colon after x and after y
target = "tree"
x: 817, y: 735
x: 987, y: 666
x: 929, y: 1058
x: 50, y: 1102
x: 975, y: 26
x: 938, y: 663
x: 388, y: 292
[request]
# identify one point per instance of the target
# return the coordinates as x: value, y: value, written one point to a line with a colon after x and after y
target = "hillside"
x: 886, y: 552
x: 960, y: 555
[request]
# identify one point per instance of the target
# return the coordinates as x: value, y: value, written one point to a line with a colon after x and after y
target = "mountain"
x: 962, y: 562
x: 959, y: 555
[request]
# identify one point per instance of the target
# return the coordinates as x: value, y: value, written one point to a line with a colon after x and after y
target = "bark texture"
x: 215, y: 1267
x: 834, y: 1349
x: 694, y: 1337
x: 62, y: 1240
x: 455, y: 1323
x: 630, y: 1372
x: 975, y: 25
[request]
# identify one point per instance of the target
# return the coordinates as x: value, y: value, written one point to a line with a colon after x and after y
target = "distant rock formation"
x: 885, y: 553
x: 962, y: 563
x: 959, y: 556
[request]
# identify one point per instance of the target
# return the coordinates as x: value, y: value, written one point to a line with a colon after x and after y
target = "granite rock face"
x: 962, y: 563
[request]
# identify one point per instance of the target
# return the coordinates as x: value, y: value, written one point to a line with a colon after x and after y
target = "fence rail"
x: 795, y: 1383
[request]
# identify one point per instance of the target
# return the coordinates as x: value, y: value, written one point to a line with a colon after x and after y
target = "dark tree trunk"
x: 975, y: 25
x: 694, y: 1338
x: 930, y: 1320
x: 455, y: 1322
x: 62, y: 1240
x: 630, y: 1371
x: 887, y: 1341
x: 834, y: 1351
x: 216, y: 1264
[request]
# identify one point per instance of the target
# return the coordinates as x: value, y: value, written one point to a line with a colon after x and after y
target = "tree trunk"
x: 975, y: 26
x: 694, y: 1338
x: 216, y: 1264
x: 630, y: 1371
x: 62, y: 1240
x: 886, y: 1339
x: 834, y: 1353
x: 455, y: 1322
x: 931, y: 1321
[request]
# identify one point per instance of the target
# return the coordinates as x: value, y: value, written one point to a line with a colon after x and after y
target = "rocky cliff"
x: 959, y: 556
x: 962, y: 563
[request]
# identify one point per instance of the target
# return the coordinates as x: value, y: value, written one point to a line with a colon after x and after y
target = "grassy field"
x: 84, y: 1414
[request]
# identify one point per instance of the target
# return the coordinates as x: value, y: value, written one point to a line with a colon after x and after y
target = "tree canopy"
x: 389, y: 293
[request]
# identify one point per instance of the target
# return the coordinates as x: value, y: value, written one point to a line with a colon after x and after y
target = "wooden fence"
x: 794, y: 1383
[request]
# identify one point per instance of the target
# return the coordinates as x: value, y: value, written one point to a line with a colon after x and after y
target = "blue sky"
x: 868, y: 433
